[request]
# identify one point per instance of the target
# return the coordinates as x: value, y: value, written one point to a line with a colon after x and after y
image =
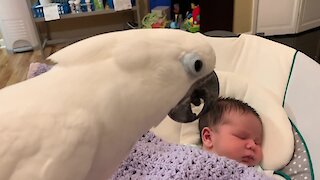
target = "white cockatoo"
x: 79, y: 120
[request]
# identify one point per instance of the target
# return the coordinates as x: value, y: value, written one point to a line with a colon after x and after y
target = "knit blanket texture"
x: 151, y: 158
x: 35, y: 69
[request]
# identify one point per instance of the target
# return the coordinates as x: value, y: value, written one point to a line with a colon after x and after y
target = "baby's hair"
x: 214, y: 116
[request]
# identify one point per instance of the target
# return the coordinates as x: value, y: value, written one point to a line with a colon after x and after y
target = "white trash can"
x: 18, y: 28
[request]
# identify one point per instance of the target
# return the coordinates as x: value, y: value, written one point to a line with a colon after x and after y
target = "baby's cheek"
x: 259, y: 155
x: 235, y: 152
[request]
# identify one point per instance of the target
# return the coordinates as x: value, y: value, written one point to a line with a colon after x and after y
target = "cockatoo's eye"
x: 192, y: 63
x: 198, y: 65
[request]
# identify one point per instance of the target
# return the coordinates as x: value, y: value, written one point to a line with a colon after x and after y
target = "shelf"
x: 86, y: 14
x: 47, y: 40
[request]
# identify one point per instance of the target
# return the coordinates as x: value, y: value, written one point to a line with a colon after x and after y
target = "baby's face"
x: 239, y: 137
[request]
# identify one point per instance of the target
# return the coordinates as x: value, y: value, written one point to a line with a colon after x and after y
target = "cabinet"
x: 309, y: 15
x: 287, y: 16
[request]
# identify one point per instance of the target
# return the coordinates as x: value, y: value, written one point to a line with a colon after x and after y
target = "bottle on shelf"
x: 88, y: 4
x: 77, y: 6
x: 72, y: 6
x: 98, y: 4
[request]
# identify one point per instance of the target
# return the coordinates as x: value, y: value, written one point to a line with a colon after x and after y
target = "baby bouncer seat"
x: 281, y: 84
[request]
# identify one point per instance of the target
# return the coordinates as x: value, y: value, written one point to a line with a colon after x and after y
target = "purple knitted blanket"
x: 35, y: 69
x: 151, y: 158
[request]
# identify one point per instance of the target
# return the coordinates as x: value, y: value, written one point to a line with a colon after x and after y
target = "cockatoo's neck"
x: 122, y: 114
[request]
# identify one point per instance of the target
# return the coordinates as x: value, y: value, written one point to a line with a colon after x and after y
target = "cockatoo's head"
x: 162, y: 64
x: 175, y: 61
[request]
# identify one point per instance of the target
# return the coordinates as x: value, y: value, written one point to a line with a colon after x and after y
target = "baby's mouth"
x: 247, y: 160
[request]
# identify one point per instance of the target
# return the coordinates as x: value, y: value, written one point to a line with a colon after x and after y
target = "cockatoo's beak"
x: 206, y: 89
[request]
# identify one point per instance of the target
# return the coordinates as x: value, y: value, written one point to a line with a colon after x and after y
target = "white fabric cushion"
x: 265, y: 62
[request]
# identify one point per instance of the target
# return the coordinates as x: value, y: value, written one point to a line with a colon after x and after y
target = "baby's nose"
x: 251, y: 144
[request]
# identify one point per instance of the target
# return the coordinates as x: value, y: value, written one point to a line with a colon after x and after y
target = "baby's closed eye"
x: 246, y: 136
x: 240, y: 135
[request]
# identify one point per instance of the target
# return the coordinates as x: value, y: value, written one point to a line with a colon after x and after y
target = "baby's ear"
x: 207, y: 138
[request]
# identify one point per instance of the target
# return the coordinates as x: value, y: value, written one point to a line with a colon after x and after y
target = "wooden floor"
x: 14, y: 67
